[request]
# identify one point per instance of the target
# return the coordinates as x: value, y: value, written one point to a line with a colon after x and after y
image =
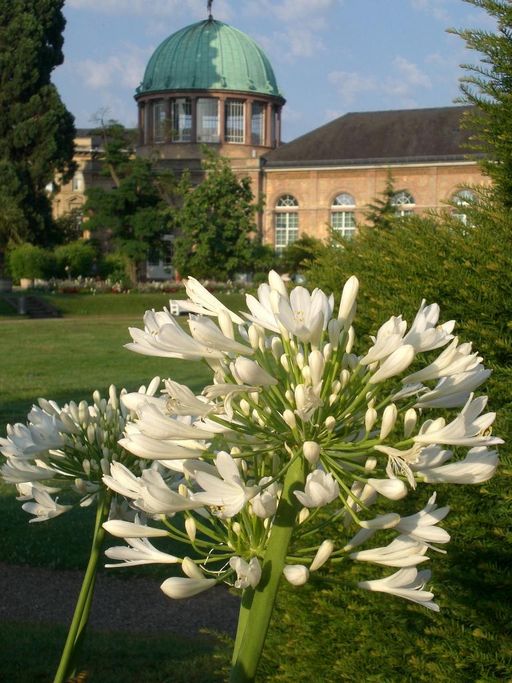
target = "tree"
x: 216, y: 230
x: 382, y: 213
x: 298, y: 255
x: 488, y: 86
x: 134, y: 215
x: 36, y: 130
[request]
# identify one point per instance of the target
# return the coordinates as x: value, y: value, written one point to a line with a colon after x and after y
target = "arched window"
x: 404, y: 203
x: 343, y: 217
x: 460, y: 200
x: 286, y: 221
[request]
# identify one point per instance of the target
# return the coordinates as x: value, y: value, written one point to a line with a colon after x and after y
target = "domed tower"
x: 209, y: 84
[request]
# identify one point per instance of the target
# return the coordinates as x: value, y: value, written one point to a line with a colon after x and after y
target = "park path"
x: 134, y: 605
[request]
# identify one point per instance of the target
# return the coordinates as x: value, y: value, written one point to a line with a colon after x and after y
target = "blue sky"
x: 330, y: 56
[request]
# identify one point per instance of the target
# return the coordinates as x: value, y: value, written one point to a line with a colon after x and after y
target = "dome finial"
x: 209, y: 8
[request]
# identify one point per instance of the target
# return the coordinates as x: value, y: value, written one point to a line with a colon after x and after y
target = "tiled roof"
x: 407, y: 136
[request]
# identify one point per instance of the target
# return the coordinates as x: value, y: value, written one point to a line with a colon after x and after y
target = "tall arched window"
x: 403, y: 202
x: 343, y: 217
x: 77, y: 182
x: 286, y: 221
x: 461, y: 199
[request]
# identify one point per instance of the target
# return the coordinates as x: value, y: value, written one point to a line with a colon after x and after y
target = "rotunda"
x: 211, y: 84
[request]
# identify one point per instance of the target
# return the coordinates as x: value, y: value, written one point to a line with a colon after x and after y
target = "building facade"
x: 212, y: 85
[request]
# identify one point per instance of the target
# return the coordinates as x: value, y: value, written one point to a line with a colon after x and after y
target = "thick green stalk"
x: 84, y: 601
x: 249, y: 645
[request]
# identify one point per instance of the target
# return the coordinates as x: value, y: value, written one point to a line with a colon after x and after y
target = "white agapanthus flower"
x: 67, y: 450
x: 293, y: 422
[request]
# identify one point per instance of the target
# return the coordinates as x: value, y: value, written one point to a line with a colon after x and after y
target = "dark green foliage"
x: 488, y: 85
x: 298, y: 255
x: 134, y: 215
x: 382, y: 213
x: 29, y: 261
x: 75, y: 259
x: 69, y: 227
x: 36, y: 130
x: 215, y: 224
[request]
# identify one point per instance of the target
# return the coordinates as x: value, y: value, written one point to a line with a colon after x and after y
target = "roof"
x: 209, y: 55
x: 406, y: 136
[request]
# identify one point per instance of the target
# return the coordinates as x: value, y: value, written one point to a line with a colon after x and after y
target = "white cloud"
x: 397, y: 89
x: 436, y: 8
x: 115, y: 71
x: 350, y: 84
x: 159, y: 8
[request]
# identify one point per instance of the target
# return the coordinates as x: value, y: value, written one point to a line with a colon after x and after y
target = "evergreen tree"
x: 488, y: 86
x: 216, y: 224
x: 36, y: 130
x: 134, y: 215
x: 382, y: 213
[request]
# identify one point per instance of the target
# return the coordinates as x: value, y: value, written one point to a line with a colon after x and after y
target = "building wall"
x: 431, y: 185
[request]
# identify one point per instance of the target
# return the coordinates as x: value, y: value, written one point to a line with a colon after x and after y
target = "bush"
x: 75, y: 259
x: 28, y: 261
x: 113, y: 267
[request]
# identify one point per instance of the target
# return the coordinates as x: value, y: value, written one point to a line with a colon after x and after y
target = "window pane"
x: 234, y: 121
x: 159, y: 121
x: 344, y: 199
x: 207, y: 119
x: 181, y: 120
x: 286, y: 229
x: 344, y: 223
x: 258, y: 123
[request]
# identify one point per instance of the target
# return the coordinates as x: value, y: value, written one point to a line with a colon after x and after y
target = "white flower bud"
x: 276, y: 283
x: 285, y: 362
x: 105, y: 466
x: 350, y: 340
x: 112, y: 395
x: 299, y: 359
x: 311, y: 451
x: 289, y: 418
x: 245, y: 407
x: 178, y: 587
x: 290, y: 397
x: 191, y: 569
x: 322, y: 555
x: 334, y: 330
x: 394, y: 489
x: 303, y: 515
x: 86, y: 466
x: 388, y: 420
x: 371, y: 463
x: 327, y: 351
x: 190, y: 528
x: 347, y: 309
x: 394, y: 364
x: 226, y: 324
x: 251, y: 373
x: 236, y: 528
x: 83, y: 412
x: 254, y: 337
x: 183, y: 490
x: 296, y: 574
x: 370, y: 419
x: 306, y: 374
x: 277, y: 347
x: 330, y: 423
x: 344, y: 378
x: 410, y: 419
x: 91, y: 434
x: 316, y: 365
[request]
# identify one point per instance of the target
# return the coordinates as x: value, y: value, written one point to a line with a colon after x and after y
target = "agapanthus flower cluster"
x: 289, y: 394
x: 63, y: 453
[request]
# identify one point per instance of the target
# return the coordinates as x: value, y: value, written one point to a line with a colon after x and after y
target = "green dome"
x: 209, y: 55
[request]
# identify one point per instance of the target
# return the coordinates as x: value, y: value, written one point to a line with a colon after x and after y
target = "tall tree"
x: 135, y: 214
x: 36, y: 130
x: 216, y: 228
x: 382, y: 213
x: 488, y: 86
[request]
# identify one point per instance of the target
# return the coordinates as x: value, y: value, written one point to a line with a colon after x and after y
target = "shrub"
x: 75, y: 259
x: 28, y: 261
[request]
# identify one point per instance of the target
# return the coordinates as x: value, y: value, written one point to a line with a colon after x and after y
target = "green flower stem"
x: 256, y: 615
x: 84, y: 601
